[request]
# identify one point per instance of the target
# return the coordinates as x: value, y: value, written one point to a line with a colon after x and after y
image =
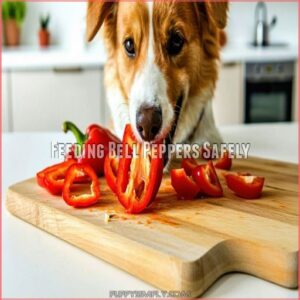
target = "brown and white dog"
x: 162, y: 66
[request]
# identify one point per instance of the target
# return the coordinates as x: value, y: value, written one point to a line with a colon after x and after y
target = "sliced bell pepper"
x: 185, y: 186
x: 95, y: 136
x: 225, y: 162
x: 206, y: 177
x: 40, y: 176
x: 81, y: 199
x: 245, y: 185
x: 139, y: 176
x: 55, y: 176
x: 189, y: 164
x: 111, y: 165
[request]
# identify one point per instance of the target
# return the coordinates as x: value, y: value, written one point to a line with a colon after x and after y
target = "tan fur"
x: 192, y: 72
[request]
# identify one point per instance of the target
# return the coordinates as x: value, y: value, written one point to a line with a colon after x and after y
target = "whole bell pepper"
x: 89, y: 143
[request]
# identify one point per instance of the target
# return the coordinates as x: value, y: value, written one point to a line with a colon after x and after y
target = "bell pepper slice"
x: 206, y: 177
x: 225, y: 162
x: 184, y: 185
x: 80, y: 199
x: 95, y: 135
x: 54, y: 177
x: 139, y: 176
x: 245, y: 185
x: 189, y: 164
x: 111, y: 165
x: 40, y: 176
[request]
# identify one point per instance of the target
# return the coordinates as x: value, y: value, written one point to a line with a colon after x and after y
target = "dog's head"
x: 164, y: 52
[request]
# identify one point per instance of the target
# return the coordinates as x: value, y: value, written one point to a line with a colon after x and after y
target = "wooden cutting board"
x: 182, y: 245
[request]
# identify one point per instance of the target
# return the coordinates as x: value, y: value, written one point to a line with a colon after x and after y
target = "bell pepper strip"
x: 40, y: 176
x: 140, y: 175
x: 206, y: 177
x: 245, y: 185
x: 189, y: 164
x: 96, y: 138
x: 54, y: 178
x: 225, y: 162
x: 81, y: 199
x: 111, y: 165
x: 184, y: 185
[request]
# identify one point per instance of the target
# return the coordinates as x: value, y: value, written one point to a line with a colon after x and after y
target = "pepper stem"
x: 79, y: 136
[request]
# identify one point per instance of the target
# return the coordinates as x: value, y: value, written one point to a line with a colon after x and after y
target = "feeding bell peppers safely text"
x: 206, y: 177
x: 73, y: 194
x: 139, y: 175
x: 185, y: 186
x: 245, y: 185
x: 95, y: 136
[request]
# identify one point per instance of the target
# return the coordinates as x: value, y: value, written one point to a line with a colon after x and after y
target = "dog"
x: 162, y: 66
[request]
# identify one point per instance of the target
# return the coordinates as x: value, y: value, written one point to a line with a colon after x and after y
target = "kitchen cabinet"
x: 228, y: 100
x: 41, y: 100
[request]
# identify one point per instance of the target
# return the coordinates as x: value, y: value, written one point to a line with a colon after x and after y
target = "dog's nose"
x: 148, y: 122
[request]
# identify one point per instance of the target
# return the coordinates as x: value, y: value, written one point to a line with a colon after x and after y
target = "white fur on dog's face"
x: 149, y: 87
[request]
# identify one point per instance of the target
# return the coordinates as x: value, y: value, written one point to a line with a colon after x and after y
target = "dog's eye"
x: 129, y: 47
x: 175, y: 43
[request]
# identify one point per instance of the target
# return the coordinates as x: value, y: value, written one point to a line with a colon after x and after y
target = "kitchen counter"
x: 249, y: 53
x: 36, y: 264
x: 24, y: 58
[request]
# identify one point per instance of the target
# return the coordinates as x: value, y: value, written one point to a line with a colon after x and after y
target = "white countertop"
x: 249, y: 53
x: 37, y: 264
x: 28, y: 57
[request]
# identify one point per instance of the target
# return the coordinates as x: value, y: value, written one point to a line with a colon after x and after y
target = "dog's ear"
x: 218, y: 12
x: 97, y: 11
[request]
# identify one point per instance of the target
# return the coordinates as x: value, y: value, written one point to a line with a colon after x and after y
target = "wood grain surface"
x: 177, y: 244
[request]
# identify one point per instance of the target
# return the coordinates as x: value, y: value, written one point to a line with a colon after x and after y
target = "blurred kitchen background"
x: 53, y: 75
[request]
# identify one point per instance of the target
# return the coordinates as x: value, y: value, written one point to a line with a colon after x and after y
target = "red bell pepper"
x: 81, y: 199
x: 185, y: 186
x: 111, y: 165
x: 54, y: 177
x: 225, y: 162
x: 189, y: 164
x: 206, y: 177
x: 40, y: 176
x: 96, y: 136
x: 139, y: 176
x: 245, y: 185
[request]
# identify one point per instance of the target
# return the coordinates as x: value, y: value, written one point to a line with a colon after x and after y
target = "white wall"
x: 241, y: 22
x: 68, y: 22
